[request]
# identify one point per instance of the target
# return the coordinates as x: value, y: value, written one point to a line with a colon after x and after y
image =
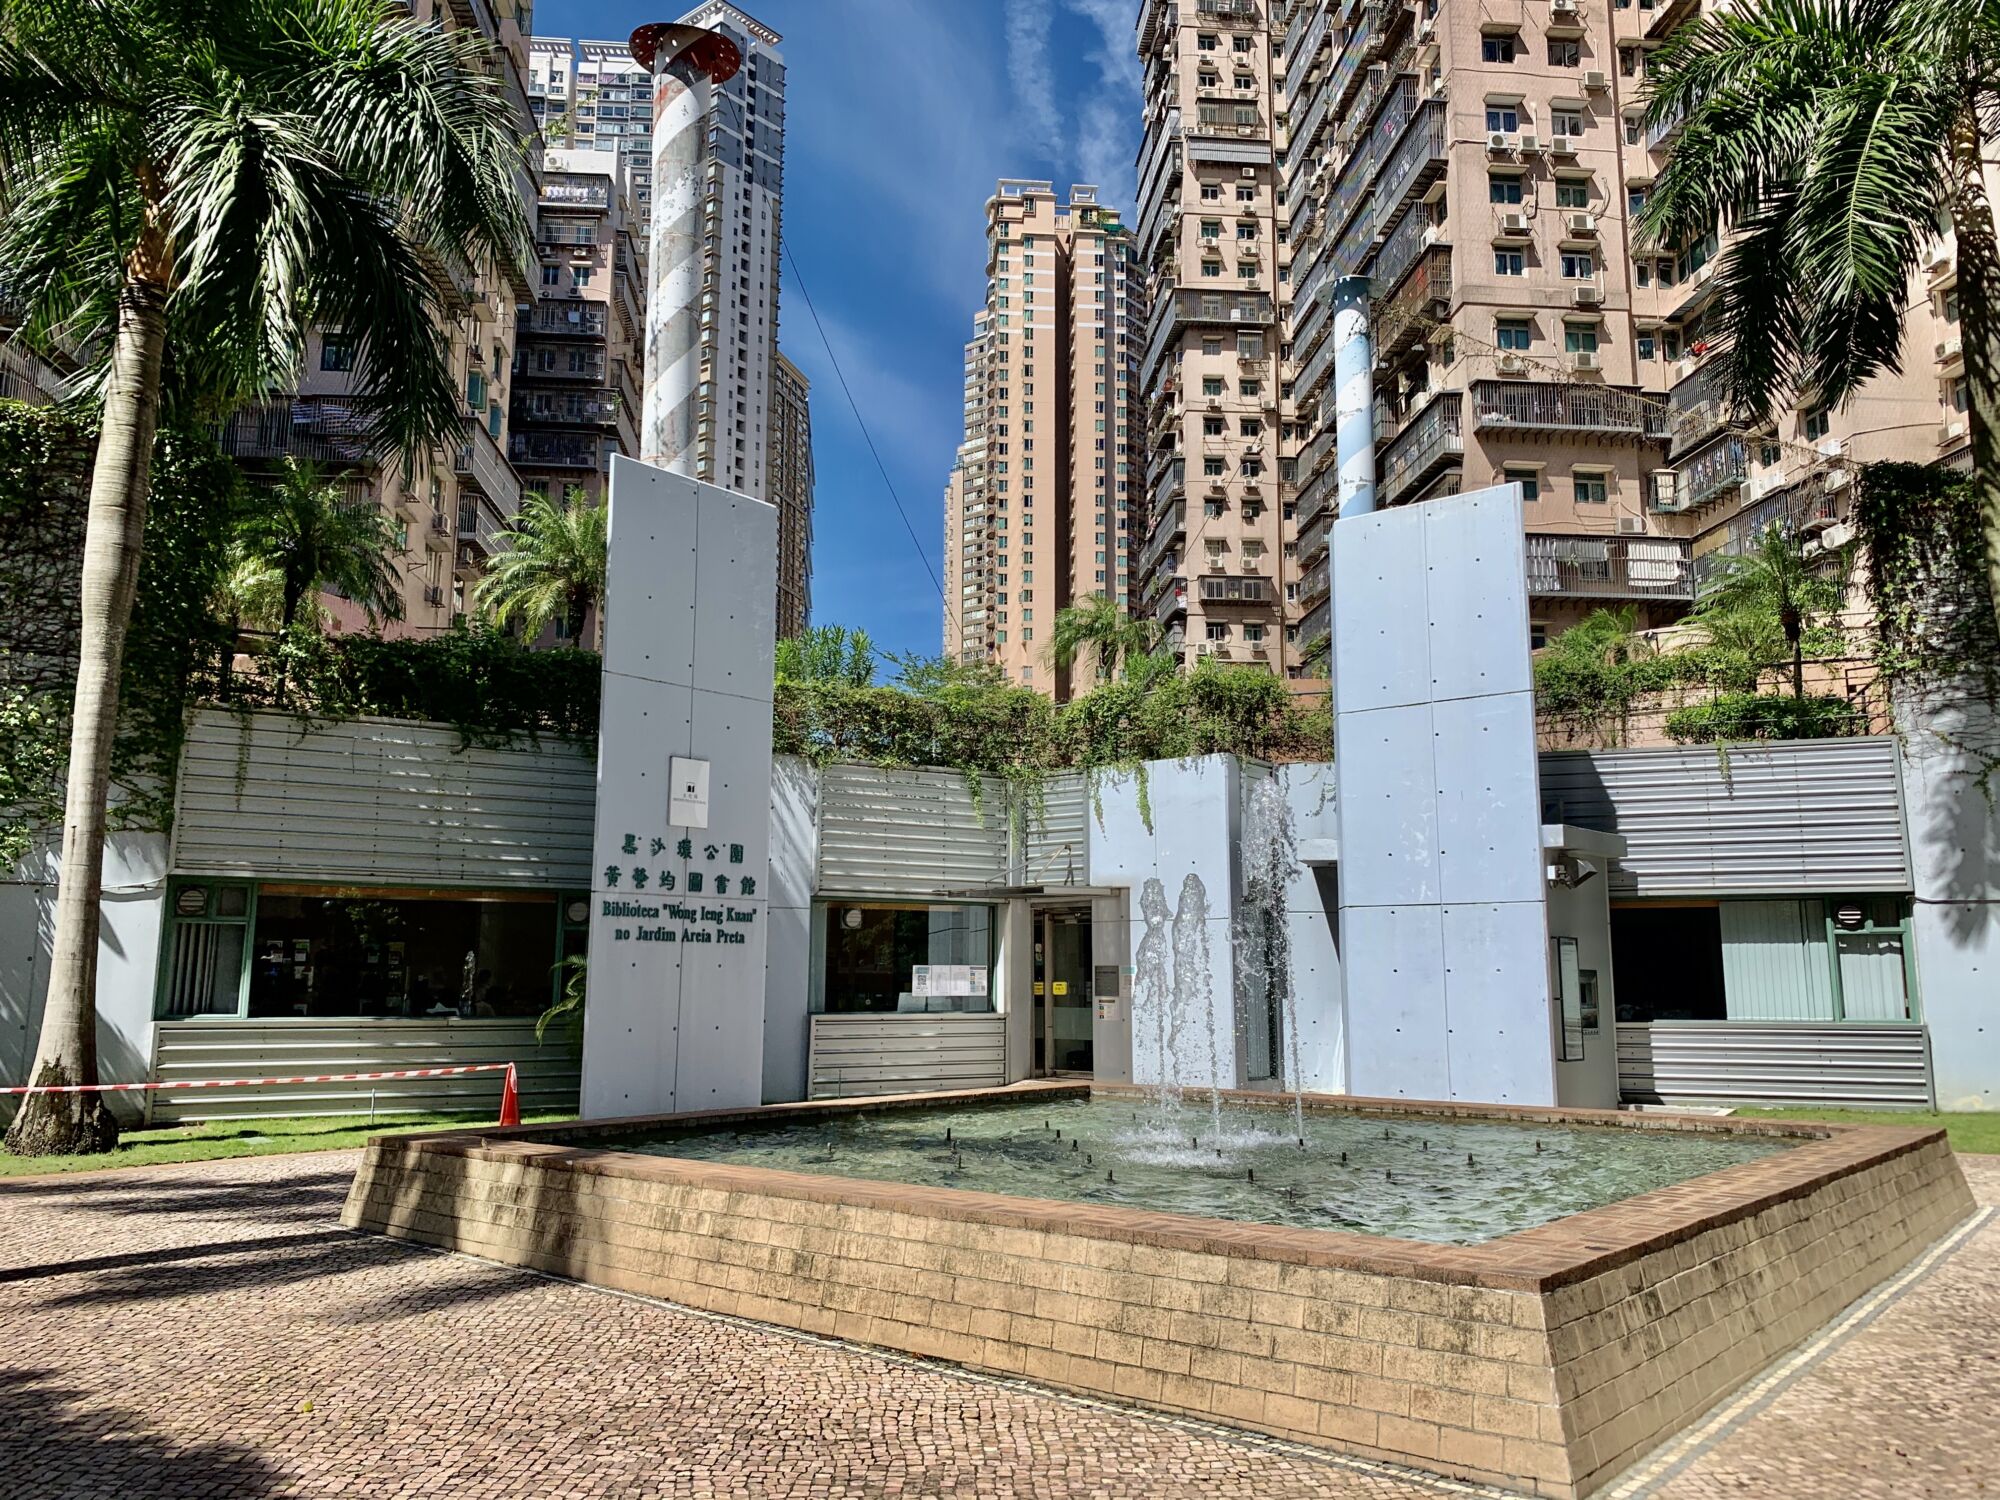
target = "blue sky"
x: 900, y: 116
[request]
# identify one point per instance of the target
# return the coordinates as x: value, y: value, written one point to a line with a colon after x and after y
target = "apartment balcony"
x: 1169, y: 528
x: 573, y: 365
x: 1715, y: 473
x: 1315, y: 583
x: 437, y: 533
x: 1415, y: 161
x: 326, y: 432
x: 1608, y: 567
x: 1430, y: 442
x: 1421, y: 301
x: 1315, y: 625
x: 555, y: 450
x: 1172, y: 603
x: 468, y: 563
x: 600, y: 408
x: 480, y: 528
x: 450, y: 273
x: 562, y: 319
x: 1227, y: 12
x: 1225, y: 588
x: 1304, y: 37
x: 1576, y: 408
x: 576, y: 192
x: 1697, y: 409
x: 480, y: 460
x: 1157, y: 18
x: 1166, y: 482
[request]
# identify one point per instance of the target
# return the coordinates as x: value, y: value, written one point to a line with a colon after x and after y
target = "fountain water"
x: 1152, y: 988
x: 1261, y: 935
x: 1193, y: 982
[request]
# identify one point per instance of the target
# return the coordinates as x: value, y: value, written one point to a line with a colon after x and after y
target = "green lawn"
x: 216, y: 1139
x: 1972, y: 1133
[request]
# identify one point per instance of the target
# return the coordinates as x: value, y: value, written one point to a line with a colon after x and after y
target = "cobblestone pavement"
x: 184, y: 1333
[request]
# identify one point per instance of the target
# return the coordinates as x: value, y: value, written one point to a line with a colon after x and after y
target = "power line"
x: 866, y: 437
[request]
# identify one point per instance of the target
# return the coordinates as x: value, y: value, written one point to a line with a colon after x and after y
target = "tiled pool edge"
x: 1546, y: 1361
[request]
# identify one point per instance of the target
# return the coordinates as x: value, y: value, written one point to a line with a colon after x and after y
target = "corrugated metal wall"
x: 379, y: 800
x: 263, y: 1049
x: 906, y: 1054
x: 1736, y: 1061
x: 1055, y: 846
x: 914, y: 833
x: 1816, y: 815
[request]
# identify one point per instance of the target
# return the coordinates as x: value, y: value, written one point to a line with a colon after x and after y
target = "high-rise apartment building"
x: 791, y: 490
x: 577, y: 368
x: 598, y: 99
x: 1483, y: 172
x: 447, y: 507
x: 1038, y: 503
x: 1218, y: 570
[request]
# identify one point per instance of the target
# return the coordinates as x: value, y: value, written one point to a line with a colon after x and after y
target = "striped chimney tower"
x: 686, y: 62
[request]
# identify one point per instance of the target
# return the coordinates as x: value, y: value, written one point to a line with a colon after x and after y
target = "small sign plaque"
x: 687, y: 805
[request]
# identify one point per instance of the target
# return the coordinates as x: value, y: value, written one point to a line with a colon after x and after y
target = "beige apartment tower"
x: 1482, y: 167
x: 791, y: 490
x: 1040, y: 501
x: 1218, y: 570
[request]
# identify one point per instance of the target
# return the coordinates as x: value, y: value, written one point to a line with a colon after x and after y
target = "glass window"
x: 1497, y: 49
x: 1508, y: 263
x: 1572, y: 192
x: 337, y: 951
x: 1503, y: 187
x: 1503, y: 117
x: 1579, y: 265
x: 336, y: 351
x: 1590, y: 489
x: 1565, y: 54
x: 869, y: 954
x: 1513, y: 334
x: 1565, y: 122
x: 1530, y: 481
x: 1580, y: 338
x: 1818, y: 424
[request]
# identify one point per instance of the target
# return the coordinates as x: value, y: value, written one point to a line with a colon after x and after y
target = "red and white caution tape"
x: 509, y: 1091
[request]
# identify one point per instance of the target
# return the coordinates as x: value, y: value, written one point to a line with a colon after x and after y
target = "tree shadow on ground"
x: 237, y: 1266
x: 316, y: 1197
x: 55, y: 1447
x: 166, y: 1255
x: 484, y: 1284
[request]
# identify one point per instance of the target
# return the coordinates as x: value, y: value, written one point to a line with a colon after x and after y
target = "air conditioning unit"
x: 1582, y: 223
x: 1513, y: 223
x: 1248, y: 172
x: 1631, y: 525
x: 1246, y: 129
x: 1215, y: 403
x: 1531, y: 144
x: 1583, y: 360
x: 1563, y: 145
x: 1586, y: 296
x: 1512, y: 364
x: 1596, y: 82
x: 1950, y: 348
x: 1499, y: 140
x: 1565, y: 8
x: 1950, y: 432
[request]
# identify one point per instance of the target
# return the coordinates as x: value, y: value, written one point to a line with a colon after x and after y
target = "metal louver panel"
x: 1815, y: 815
x: 866, y: 1054
x: 1055, y: 846
x: 915, y: 833
x: 380, y: 800
x: 1728, y: 1061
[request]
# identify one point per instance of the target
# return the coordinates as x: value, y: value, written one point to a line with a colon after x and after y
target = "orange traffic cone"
x: 510, y: 1099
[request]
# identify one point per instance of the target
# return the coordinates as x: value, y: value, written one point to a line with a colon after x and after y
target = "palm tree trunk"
x: 114, y: 533
x: 1979, y: 284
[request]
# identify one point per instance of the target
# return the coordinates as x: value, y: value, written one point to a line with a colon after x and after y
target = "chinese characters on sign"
x: 697, y: 924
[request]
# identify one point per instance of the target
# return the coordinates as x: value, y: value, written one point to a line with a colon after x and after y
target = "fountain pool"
x: 1537, y: 1319
x: 1445, y: 1181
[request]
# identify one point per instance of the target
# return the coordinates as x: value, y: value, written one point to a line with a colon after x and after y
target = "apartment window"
x: 1207, y: 41
x: 1245, y: 194
x: 1578, y: 265
x: 1208, y: 80
x: 1503, y: 187
x: 1565, y: 54
x: 1246, y: 269
x: 1212, y: 468
x: 1211, y: 192
x: 1246, y: 231
x: 336, y: 351
x: 1246, y: 114
x: 1590, y: 489
x: 551, y: 275
x: 1215, y: 630
x: 579, y: 275
x: 1509, y: 263
x: 1513, y: 335
x: 1572, y: 192
x: 1211, y: 385
x: 1961, y: 393
x: 1253, y: 634
x: 1648, y: 346
x: 1250, y: 427
x: 1211, y: 268
x: 1503, y: 117
x: 1253, y: 468
x: 1818, y: 423
x: 1213, y: 427
x: 1580, y: 338
x: 1497, y: 49
x: 1249, y: 387
x: 1248, y: 346
x: 1538, y: 635
x: 1246, y: 80
x: 1211, y: 229
x: 1530, y: 481
x: 1211, y: 347
x: 1635, y: 202
x: 1565, y: 122
x: 1632, y: 129
x: 1239, y: 44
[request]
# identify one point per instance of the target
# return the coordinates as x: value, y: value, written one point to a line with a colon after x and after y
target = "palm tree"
x: 1834, y: 137
x: 1772, y: 592
x: 188, y: 186
x: 553, y: 567
x: 1103, y: 628
x: 309, y: 536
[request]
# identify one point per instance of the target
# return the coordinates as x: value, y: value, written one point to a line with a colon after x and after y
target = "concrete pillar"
x: 686, y: 62
x: 1353, y: 400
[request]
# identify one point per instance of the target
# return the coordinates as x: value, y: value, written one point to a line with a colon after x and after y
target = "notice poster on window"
x: 948, y: 979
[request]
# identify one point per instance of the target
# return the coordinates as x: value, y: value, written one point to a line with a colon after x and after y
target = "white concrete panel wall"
x: 1312, y: 917
x: 788, y: 960
x: 677, y: 967
x: 1955, y: 858
x: 1192, y: 831
x: 128, y: 956
x: 1444, y: 929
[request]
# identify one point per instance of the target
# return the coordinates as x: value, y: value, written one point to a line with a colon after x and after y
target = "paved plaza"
x: 183, y: 1333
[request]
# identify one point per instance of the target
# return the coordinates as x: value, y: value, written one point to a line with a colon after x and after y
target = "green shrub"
x: 1764, y: 716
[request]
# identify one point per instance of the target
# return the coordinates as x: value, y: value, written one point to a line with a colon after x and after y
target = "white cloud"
x: 1107, y: 137
x: 1029, y: 23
